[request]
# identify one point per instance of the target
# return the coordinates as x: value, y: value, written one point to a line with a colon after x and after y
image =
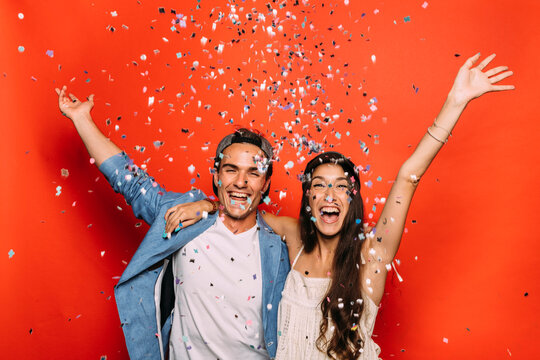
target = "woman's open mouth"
x: 329, y: 214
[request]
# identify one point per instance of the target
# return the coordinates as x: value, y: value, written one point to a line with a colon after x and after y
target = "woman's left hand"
x: 472, y: 82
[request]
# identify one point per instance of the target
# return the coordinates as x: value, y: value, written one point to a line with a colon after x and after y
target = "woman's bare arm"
x: 183, y: 215
x: 382, y: 244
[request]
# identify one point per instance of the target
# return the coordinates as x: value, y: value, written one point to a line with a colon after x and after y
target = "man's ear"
x: 216, y: 179
x: 266, y: 186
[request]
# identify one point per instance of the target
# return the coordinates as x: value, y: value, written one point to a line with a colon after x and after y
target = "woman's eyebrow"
x: 323, y: 178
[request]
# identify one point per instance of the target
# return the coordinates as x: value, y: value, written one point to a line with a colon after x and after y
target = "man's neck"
x: 238, y: 226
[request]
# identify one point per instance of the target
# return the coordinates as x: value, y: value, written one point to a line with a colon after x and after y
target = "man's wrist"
x: 79, y: 118
x: 214, y: 204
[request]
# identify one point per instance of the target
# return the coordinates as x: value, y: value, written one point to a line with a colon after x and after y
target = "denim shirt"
x: 138, y: 290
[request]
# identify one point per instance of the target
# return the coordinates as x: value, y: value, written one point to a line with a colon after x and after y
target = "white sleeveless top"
x: 300, y: 317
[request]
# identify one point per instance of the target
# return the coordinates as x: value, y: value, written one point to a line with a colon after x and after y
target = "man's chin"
x: 238, y: 214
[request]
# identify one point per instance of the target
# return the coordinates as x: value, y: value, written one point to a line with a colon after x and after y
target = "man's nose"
x: 241, y: 179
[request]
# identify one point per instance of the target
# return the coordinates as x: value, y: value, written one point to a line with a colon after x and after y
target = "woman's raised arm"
x: 383, y: 242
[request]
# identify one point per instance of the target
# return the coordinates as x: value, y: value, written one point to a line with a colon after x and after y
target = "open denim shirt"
x: 138, y: 291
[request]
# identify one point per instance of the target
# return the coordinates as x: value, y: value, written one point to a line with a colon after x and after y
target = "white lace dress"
x: 300, y: 317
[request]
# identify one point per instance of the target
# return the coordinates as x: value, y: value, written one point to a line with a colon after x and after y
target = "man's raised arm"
x: 99, y: 147
x: 140, y: 190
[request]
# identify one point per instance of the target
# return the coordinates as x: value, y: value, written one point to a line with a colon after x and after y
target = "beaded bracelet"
x: 214, y: 205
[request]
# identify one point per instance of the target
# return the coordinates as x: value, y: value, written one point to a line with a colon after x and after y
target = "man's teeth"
x: 239, y: 195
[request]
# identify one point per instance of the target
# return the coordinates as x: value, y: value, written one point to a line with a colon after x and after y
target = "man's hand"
x: 98, y: 146
x: 72, y: 107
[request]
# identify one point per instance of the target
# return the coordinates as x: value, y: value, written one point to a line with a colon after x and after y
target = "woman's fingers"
x: 500, y: 77
x: 169, y: 213
x: 470, y: 61
x: 495, y: 71
x: 486, y: 61
x: 169, y: 228
x: 502, y: 87
x: 179, y: 216
x: 172, y: 223
x: 187, y: 223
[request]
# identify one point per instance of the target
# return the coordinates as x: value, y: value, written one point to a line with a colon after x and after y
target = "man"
x: 211, y: 290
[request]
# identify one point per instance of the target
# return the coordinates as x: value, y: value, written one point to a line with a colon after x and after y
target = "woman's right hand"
x: 183, y: 215
x: 71, y: 106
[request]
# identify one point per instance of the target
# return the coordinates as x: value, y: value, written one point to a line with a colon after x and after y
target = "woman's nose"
x: 329, y: 194
x: 329, y: 189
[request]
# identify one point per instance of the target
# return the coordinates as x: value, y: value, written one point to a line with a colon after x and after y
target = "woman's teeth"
x: 329, y: 214
x: 329, y: 210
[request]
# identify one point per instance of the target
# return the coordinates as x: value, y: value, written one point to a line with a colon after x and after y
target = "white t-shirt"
x: 218, y: 288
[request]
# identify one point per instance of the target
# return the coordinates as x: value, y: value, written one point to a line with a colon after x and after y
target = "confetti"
x: 11, y: 253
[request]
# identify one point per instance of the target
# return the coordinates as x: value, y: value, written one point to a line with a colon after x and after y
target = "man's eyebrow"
x: 236, y: 167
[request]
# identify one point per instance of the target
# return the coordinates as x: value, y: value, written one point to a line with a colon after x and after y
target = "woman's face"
x: 329, y: 197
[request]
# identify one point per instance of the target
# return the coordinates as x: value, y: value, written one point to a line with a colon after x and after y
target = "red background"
x: 468, y: 257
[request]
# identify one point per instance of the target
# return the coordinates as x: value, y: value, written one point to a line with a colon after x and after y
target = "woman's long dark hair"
x: 342, y: 303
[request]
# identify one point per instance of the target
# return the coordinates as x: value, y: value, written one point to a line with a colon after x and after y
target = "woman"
x: 338, y: 271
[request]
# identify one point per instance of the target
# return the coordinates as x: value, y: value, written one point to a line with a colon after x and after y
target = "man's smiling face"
x: 239, y: 182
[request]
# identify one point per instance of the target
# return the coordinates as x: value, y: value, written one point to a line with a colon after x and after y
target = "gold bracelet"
x: 214, y: 205
x: 439, y: 140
